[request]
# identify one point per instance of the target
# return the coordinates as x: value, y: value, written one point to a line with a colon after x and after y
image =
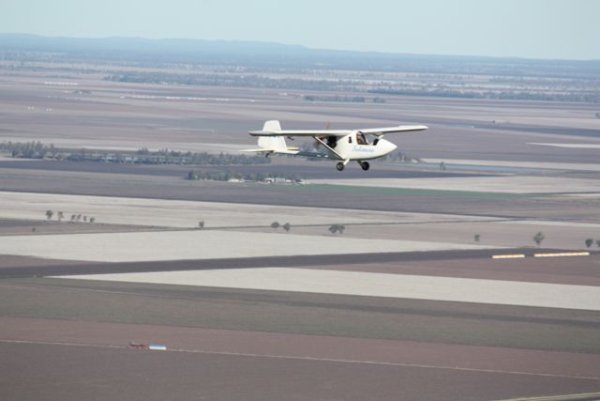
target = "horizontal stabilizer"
x: 273, y: 144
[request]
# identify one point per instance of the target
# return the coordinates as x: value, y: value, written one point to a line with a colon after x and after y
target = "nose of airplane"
x: 387, y: 146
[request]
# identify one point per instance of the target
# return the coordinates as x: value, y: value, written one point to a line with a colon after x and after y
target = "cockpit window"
x: 360, y: 139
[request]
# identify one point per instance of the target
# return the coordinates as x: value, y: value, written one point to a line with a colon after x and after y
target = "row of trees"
x: 39, y: 150
x: 196, y: 175
x: 163, y: 156
x: 590, y: 241
x: 231, y: 80
x: 28, y: 150
x: 539, y: 237
x: 507, y: 94
x: 74, y: 217
x: 287, y: 226
x: 334, y: 228
x: 343, y: 99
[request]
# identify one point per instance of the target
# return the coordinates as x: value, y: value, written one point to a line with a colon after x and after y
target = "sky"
x: 548, y: 29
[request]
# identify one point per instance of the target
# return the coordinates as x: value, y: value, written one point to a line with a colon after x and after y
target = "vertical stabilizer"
x: 272, y: 126
x: 272, y: 143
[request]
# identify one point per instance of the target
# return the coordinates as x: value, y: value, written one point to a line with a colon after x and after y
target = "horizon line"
x: 247, y: 41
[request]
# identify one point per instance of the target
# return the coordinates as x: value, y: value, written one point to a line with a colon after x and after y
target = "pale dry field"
x: 493, y: 233
x: 524, y: 165
x: 500, y: 184
x: 311, y: 224
x: 187, y: 214
x: 447, y: 289
x: 200, y: 244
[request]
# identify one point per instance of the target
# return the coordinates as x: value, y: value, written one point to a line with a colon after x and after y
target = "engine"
x: 332, y: 141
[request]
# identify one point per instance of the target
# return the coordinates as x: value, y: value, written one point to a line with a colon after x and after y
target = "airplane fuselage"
x: 351, y: 148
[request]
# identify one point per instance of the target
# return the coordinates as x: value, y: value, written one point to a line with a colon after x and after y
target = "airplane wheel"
x: 365, y: 165
x: 340, y: 166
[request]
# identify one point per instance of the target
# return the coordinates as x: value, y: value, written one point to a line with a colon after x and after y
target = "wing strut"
x: 329, y: 148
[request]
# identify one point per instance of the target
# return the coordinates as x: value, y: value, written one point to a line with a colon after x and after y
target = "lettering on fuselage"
x: 363, y: 148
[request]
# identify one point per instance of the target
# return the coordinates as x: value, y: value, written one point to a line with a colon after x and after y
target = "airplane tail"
x: 272, y: 126
x: 273, y: 144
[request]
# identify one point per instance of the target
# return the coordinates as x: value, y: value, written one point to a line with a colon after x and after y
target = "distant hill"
x: 139, y: 45
x: 273, y: 55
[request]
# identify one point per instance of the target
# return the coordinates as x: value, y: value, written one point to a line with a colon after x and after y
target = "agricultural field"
x: 342, y: 285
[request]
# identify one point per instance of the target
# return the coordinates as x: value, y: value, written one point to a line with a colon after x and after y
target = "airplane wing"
x: 273, y: 128
x: 393, y: 130
x: 308, y: 133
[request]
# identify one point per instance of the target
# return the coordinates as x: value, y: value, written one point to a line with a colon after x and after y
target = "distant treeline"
x: 38, y: 150
x: 229, y: 80
x: 28, y: 150
x: 591, y: 97
x: 534, y: 92
x: 229, y: 175
x: 337, y: 98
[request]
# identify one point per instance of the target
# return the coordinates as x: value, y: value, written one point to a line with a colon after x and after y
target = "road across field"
x: 11, y: 268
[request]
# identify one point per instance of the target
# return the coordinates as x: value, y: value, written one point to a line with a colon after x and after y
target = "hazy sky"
x: 567, y: 29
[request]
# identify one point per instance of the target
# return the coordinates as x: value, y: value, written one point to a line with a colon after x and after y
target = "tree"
x: 275, y: 225
x: 337, y: 228
x: 589, y: 242
x: 477, y: 237
x: 60, y: 216
x: 192, y: 175
x: 287, y: 227
x: 201, y: 224
x: 538, y: 238
x: 49, y: 214
x: 92, y: 220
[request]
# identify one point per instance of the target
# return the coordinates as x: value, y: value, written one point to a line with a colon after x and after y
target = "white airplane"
x: 343, y: 145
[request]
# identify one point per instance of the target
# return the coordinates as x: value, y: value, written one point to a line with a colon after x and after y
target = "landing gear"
x: 341, y: 165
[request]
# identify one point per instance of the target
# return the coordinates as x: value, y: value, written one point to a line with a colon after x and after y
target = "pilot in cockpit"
x: 360, y: 139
